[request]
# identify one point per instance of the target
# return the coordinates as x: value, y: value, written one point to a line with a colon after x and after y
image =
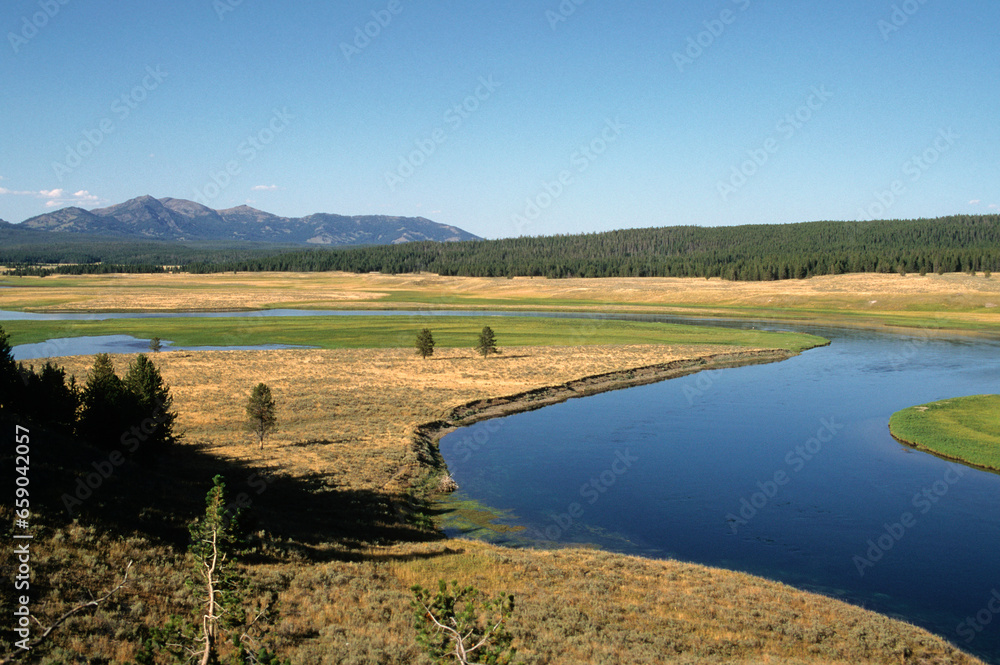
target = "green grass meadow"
x: 962, y: 428
x: 336, y: 332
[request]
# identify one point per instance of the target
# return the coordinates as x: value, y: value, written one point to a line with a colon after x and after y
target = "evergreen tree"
x: 214, y: 543
x: 105, y: 405
x: 487, y: 343
x: 222, y: 630
x: 155, y: 345
x: 261, y: 417
x: 425, y: 343
x: 151, y: 402
x: 9, y: 376
x: 48, y: 397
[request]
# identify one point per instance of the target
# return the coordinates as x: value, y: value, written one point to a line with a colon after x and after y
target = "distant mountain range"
x: 178, y: 220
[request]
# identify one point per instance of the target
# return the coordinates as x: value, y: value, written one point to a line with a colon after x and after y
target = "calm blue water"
x: 784, y: 470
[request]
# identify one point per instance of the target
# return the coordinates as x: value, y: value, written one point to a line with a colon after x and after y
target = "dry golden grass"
x: 573, y: 606
x: 348, y: 602
x: 973, y: 295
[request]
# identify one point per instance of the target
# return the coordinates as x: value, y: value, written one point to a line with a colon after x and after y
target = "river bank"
x: 427, y: 435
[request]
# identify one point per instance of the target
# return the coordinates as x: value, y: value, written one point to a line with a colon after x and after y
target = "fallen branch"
x: 65, y: 616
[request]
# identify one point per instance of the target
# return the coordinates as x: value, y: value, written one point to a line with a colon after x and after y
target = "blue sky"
x: 506, y: 119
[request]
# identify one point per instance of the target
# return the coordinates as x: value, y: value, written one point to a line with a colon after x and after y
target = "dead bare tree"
x: 215, y: 543
x: 450, y: 627
x: 9, y: 658
x: 213, y: 611
x: 212, y: 540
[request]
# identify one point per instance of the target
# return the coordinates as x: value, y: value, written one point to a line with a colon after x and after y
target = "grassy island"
x: 966, y: 429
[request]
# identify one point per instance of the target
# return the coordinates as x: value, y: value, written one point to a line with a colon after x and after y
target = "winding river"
x: 784, y: 470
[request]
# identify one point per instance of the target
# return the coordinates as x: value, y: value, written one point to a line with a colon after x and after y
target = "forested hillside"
x: 754, y: 252
x: 25, y: 247
x: 757, y: 252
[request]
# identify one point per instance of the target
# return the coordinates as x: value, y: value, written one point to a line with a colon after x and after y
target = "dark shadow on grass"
x: 316, y: 442
x: 474, y: 356
x: 159, y: 496
x: 403, y: 558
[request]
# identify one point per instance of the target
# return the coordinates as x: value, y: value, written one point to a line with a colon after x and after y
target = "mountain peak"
x: 179, y: 219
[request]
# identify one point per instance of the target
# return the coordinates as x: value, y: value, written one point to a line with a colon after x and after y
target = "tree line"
x: 128, y: 413
x: 754, y: 253
x: 960, y: 243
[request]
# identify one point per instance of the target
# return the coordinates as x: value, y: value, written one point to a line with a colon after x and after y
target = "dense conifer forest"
x: 960, y: 243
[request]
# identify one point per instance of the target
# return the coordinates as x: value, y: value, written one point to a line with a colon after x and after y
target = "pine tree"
x: 9, y: 376
x: 487, y: 343
x: 49, y: 398
x: 151, y: 402
x: 425, y: 343
x: 261, y: 418
x: 222, y: 628
x: 214, y: 542
x: 456, y: 626
x: 104, y: 405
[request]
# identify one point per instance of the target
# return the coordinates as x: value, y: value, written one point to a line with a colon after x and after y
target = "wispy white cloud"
x: 56, y: 197
x: 264, y: 188
x: 4, y: 190
x: 974, y: 202
x: 994, y: 206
